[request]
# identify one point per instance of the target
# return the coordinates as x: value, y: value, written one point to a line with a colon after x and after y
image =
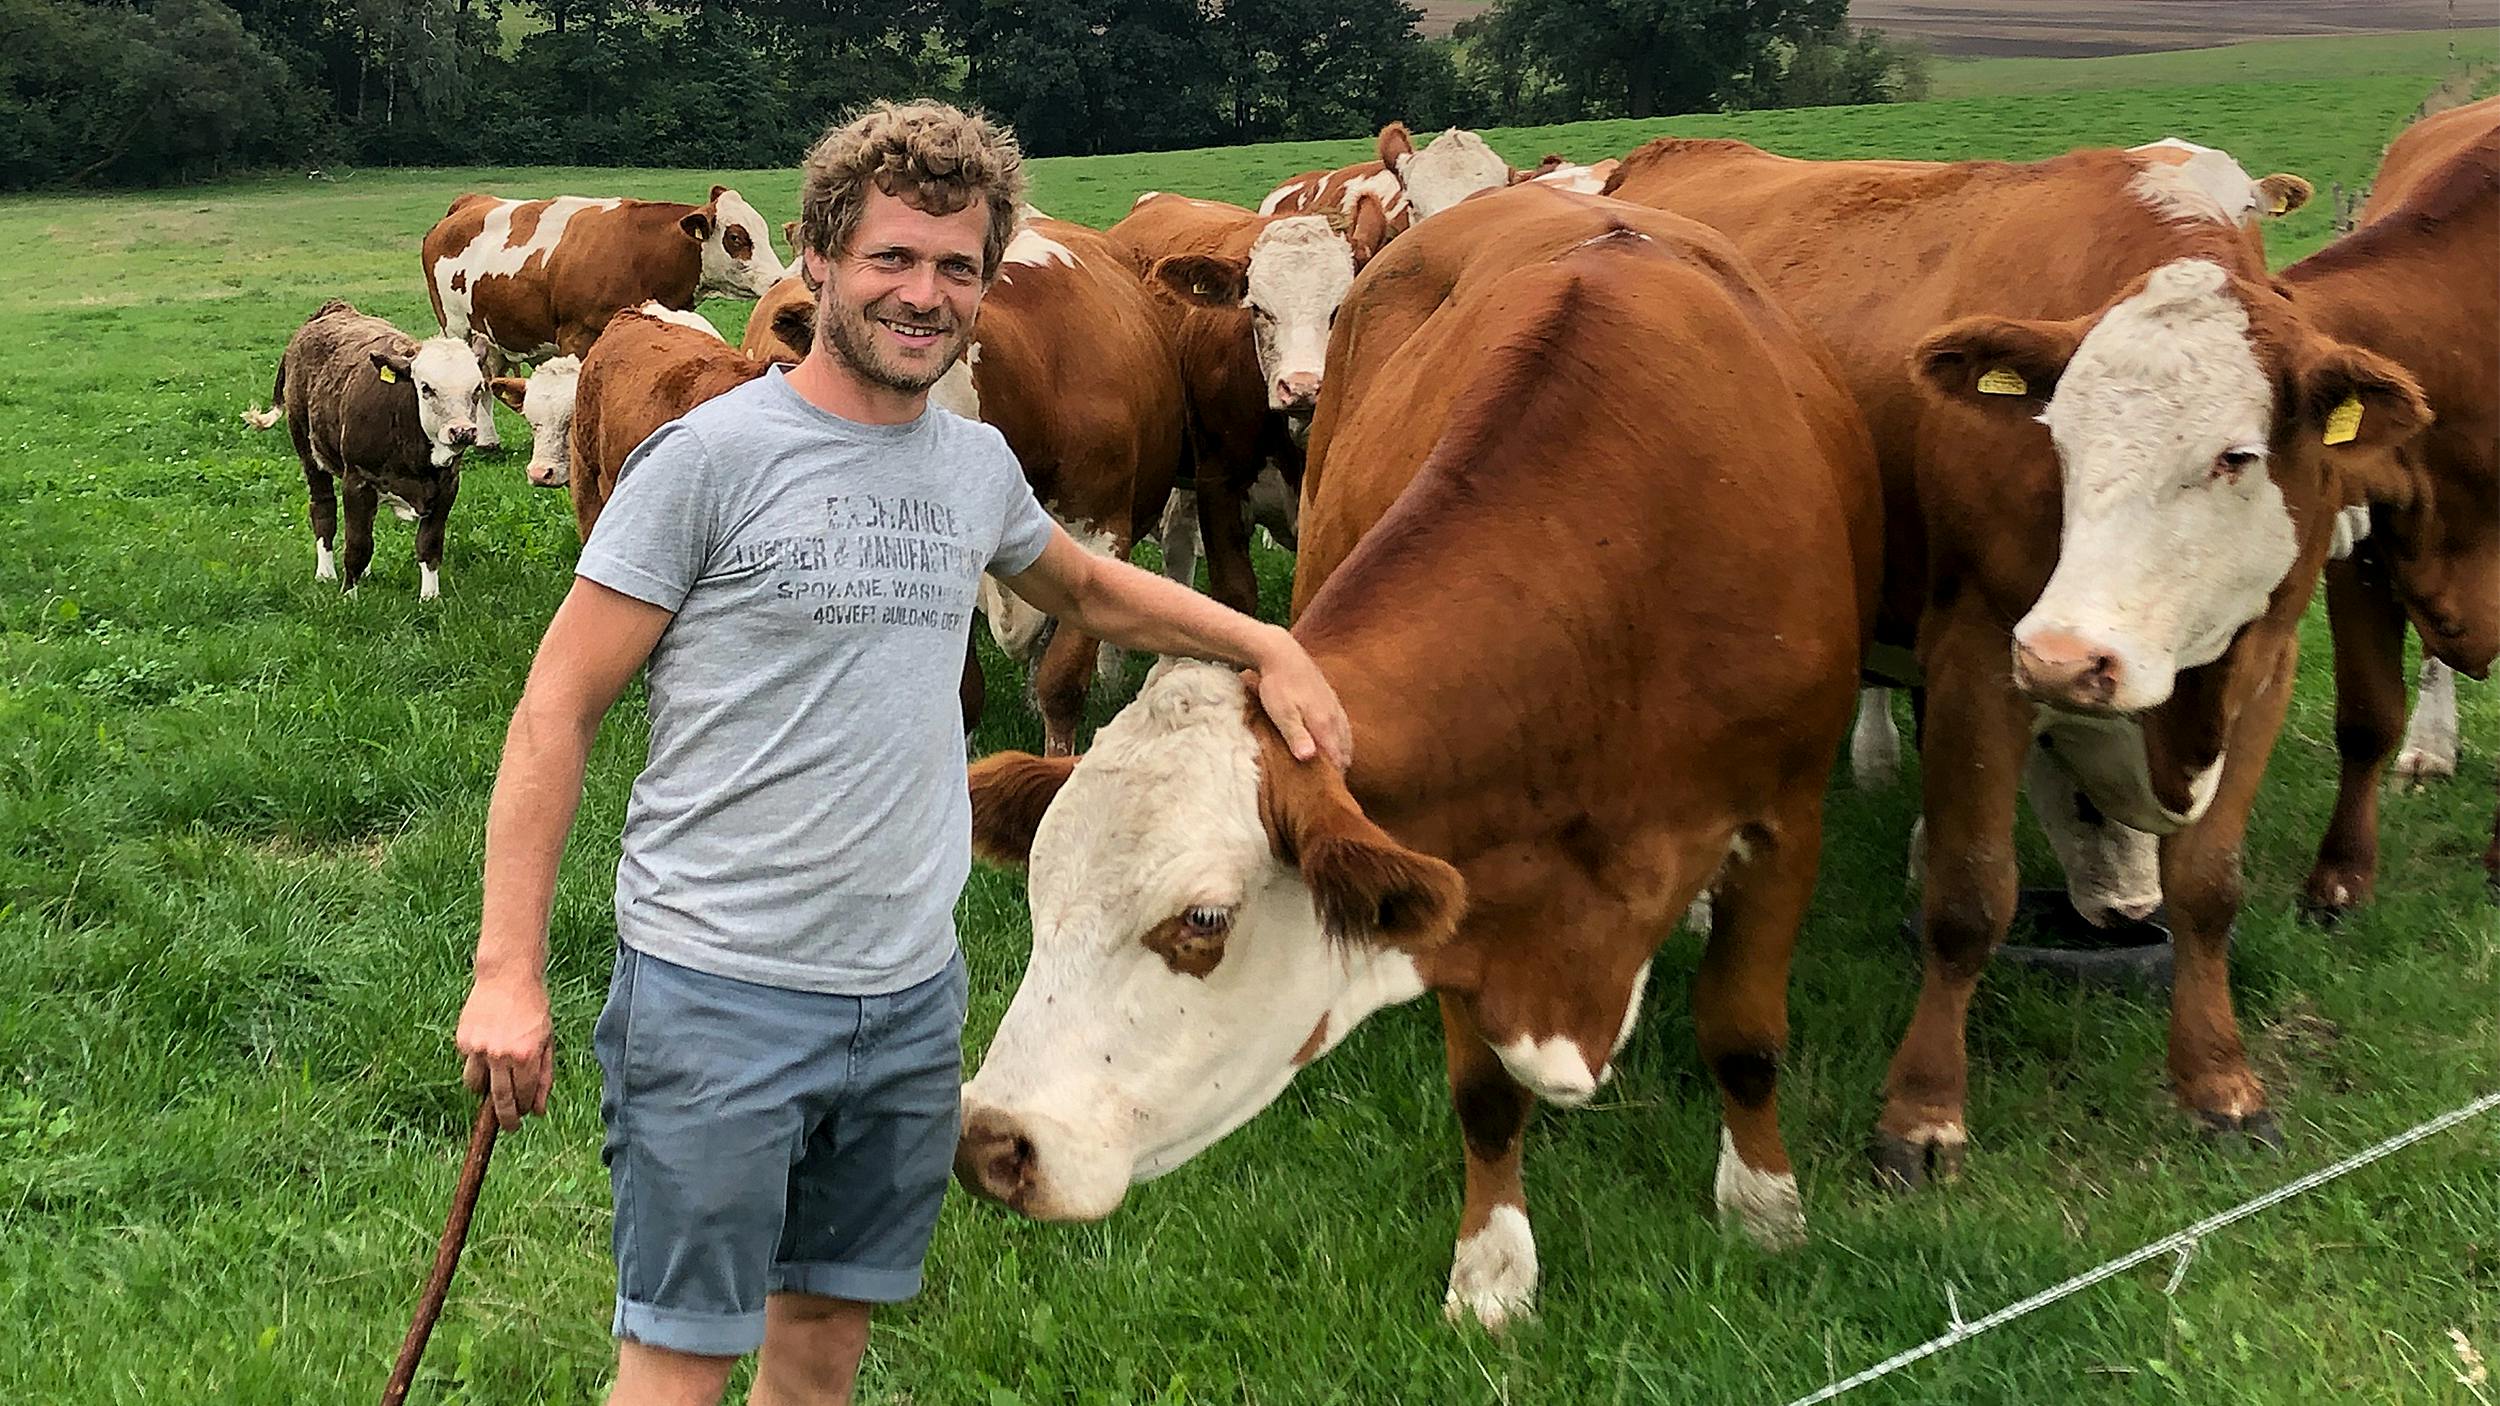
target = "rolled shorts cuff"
x: 858, y: 1283
x: 688, y: 1331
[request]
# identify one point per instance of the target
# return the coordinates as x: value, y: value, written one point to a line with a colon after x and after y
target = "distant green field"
x: 239, y: 830
x: 2334, y: 59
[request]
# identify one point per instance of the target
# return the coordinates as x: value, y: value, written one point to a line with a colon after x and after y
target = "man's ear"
x: 1208, y: 280
x: 2282, y: 193
x: 511, y: 390
x: 1395, y: 148
x: 697, y: 224
x: 1010, y: 793
x: 2362, y: 408
x: 1996, y: 360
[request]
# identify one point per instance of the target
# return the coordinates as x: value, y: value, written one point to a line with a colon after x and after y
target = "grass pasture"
x: 239, y: 827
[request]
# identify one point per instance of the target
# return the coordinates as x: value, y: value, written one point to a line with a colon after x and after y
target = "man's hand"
x: 1301, y: 704
x: 507, y: 1040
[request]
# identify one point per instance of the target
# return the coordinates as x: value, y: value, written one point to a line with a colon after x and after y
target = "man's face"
x: 897, y: 305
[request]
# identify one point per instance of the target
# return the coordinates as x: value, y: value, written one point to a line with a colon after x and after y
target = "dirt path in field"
x: 2085, y: 28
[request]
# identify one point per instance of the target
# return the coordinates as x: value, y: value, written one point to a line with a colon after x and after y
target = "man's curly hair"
x: 935, y: 158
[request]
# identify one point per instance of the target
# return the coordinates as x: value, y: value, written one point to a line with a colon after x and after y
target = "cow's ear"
x: 1010, y: 793
x: 1396, y: 146
x: 795, y: 324
x: 1370, y: 229
x: 2362, y: 408
x: 719, y: 191
x: 511, y: 390
x: 1996, y: 361
x: 697, y: 225
x: 481, y: 346
x: 1366, y: 886
x: 1207, y: 279
x: 390, y: 366
x: 2283, y: 192
x: 790, y: 234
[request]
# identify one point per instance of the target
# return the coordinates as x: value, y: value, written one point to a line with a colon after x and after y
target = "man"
x: 797, y: 560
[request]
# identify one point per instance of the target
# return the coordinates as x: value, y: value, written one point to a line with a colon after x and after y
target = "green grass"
x: 239, y: 828
x: 2330, y: 58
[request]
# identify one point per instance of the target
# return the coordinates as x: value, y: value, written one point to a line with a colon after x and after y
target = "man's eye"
x: 960, y: 270
x: 890, y: 258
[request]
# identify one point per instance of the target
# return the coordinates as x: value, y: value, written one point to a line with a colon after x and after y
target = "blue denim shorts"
x: 761, y: 1140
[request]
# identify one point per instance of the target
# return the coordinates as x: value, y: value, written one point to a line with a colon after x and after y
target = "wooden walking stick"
x: 446, y: 1255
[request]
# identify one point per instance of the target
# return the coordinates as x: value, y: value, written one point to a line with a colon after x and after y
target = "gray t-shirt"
x: 802, y: 820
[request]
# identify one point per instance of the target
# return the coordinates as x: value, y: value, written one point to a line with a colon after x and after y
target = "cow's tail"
x: 268, y: 419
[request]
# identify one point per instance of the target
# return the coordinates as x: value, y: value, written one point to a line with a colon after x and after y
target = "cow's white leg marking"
x: 429, y: 582
x: 1764, y: 1204
x: 2430, y: 746
x: 1493, y: 1274
x: 1875, y: 743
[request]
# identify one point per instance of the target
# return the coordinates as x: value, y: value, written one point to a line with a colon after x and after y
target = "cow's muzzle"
x: 2067, y: 671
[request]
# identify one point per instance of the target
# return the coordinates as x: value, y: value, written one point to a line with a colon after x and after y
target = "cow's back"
x: 1568, y: 471
x: 336, y: 406
x: 2424, y: 150
x: 639, y: 376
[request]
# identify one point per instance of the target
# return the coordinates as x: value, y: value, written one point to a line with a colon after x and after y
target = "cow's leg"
x: 2491, y: 858
x: 1179, y: 537
x: 1224, y: 528
x: 974, y: 692
x: 2200, y: 880
x: 2368, y: 627
x: 324, y: 511
x: 430, y: 539
x: 1971, y: 754
x: 1740, y: 1016
x: 1875, y: 743
x: 1493, y: 1273
x: 362, y: 499
x: 2429, y: 752
x: 1062, y: 678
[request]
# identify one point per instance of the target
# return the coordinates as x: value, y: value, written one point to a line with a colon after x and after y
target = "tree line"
x: 147, y: 92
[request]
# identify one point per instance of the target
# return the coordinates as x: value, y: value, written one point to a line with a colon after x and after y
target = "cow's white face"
x: 1180, y: 971
x: 2175, y: 532
x: 546, y: 401
x: 738, y: 257
x: 1299, y: 272
x: 451, y: 396
x: 1454, y: 166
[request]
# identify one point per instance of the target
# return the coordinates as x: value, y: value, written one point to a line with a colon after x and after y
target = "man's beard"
x: 853, y: 333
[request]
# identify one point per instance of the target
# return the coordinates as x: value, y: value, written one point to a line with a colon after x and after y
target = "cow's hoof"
x: 1908, y: 1162
x: 2332, y: 892
x: 1493, y: 1275
x: 1765, y: 1205
x: 2256, y: 1128
x: 2416, y: 766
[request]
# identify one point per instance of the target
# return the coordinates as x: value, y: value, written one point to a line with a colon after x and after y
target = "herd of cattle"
x: 1610, y: 488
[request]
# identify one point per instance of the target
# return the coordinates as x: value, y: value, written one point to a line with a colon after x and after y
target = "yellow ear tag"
x: 2281, y: 204
x: 388, y: 374
x: 2003, y: 382
x: 2343, y: 423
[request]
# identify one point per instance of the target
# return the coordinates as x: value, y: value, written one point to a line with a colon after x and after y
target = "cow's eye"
x: 1204, y: 920
x: 2231, y: 463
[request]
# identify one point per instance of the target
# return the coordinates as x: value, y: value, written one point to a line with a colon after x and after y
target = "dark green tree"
x: 1639, y: 58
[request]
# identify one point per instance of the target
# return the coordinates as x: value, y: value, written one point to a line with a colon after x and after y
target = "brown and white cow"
x: 1563, y: 436
x: 2110, y: 487
x: 2419, y: 283
x: 545, y: 399
x: 643, y: 372
x: 1340, y: 190
x: 1248, y: 300
x: 540, y: 278
x: 1413, y: 184
x: 382, y: 415
x: 1069, y: 360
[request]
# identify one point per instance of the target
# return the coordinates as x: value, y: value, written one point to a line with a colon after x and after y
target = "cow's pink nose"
x: 2066, y: 670
x: 547, y: 475
x: 995, y: 1160
x: 1297, y: 390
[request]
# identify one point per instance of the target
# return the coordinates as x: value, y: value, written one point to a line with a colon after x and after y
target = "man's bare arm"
x: 598, y: 638
x: 1137, y: 609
